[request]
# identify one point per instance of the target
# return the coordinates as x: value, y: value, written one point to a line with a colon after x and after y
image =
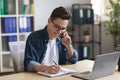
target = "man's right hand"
x: 50, y: 69
x: 53, y: 69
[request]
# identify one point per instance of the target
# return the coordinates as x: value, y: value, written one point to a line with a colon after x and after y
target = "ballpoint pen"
x: 60, y: 67
x: 55, y: 62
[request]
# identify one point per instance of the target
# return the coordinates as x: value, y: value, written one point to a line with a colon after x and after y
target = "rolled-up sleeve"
x: 73, y: 59
x: 31, y: 65
x: 31, y: 54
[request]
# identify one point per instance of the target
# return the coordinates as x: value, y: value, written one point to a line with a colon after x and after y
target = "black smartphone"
x: 62, y: 34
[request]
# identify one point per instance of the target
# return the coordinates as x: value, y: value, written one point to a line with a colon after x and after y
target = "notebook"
x: 63, y: 71
x: 104, y: 65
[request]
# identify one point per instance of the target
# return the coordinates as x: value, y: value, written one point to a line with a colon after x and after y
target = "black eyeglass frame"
x: 58, y: 27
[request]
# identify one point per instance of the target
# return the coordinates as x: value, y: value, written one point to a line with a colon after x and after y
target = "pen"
x: 60, y: 68
x: 55, y: 62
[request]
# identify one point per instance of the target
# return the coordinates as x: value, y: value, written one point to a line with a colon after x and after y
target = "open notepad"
x: 63, y: 71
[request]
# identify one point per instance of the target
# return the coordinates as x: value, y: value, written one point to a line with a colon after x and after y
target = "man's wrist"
x: 70, y: 50
x: 69, y: 46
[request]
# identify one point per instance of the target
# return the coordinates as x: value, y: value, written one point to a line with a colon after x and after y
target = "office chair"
x: 17, y: 54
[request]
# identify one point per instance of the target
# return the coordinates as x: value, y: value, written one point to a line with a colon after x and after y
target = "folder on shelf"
x: 76, y: 18
x: 9, y: 25
x: 5, y: 6
x: 6, y: 23
x: 83, y: 16
x: 13, y: 20
x: 24, y: 24
x: 84, y: 19
x: 84, y: 52
x: 2, y: 7
x: 29, y: 24
x: 90, y: 16
x: 20, y: 24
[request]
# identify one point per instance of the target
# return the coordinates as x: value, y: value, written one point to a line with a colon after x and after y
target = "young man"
x: 50, y: 47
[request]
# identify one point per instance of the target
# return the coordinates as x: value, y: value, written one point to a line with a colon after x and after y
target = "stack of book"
x: 3, y: 7
x: 28, y: 7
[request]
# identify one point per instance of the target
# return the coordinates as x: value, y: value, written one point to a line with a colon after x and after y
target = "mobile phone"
x: 62, y: 34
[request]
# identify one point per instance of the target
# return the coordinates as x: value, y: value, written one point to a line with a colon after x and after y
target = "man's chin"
x: 56, y: 36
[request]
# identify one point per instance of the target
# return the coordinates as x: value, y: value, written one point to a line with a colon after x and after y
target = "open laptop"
x: 104, y: 65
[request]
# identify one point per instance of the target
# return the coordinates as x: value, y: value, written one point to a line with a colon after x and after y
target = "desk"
x: 79, y: 66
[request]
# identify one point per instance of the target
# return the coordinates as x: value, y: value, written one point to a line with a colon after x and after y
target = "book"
x: 63, y: 71
x: 5, y: 6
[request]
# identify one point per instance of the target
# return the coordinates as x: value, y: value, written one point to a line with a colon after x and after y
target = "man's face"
x: 56, y: 27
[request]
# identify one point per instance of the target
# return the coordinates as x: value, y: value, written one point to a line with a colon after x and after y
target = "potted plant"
x: 70, y: 29
x: 112, y: 25
x: 86, y: 35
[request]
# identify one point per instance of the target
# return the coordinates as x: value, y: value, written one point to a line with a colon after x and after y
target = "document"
x: 63, y: 71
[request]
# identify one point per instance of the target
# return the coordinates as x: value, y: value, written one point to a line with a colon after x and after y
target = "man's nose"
x: 59, y: 31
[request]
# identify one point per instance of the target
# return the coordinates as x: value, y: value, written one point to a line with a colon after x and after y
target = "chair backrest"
x: 17, y: 53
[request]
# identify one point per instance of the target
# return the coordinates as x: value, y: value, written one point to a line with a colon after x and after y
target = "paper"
x: 63, y: 71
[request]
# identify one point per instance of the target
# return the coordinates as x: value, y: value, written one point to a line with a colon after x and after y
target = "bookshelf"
x: 16, y: 23
x: 82, y: 21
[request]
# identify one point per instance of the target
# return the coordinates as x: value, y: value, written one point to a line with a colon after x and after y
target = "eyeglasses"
x: 58, y: 27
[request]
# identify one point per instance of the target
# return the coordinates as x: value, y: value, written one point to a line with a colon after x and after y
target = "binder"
x: 90, y: 16
x: 13, y: 24
x: 6, y: 23
x: 83, y: 16
x: 5, y: 6
x: 2, y: 7
x: 28, y: 24
x: 24, y: 24
x: 76, y: 18
x: 84, y: 52
x: 20, y: 24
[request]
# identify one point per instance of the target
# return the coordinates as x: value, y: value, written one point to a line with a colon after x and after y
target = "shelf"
x: 25, y: 33
x: 5, y: 52
x: 82, y: 20
x: 8, y: 34
x: 90, y: 42
x: 25, y: 15
x: 16, y: 23
x: 12, y: 15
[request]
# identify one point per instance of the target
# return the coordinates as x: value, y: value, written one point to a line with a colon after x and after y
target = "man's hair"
x: 60, y: 12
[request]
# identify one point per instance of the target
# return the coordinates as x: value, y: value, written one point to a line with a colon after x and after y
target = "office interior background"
x: 42, y: 11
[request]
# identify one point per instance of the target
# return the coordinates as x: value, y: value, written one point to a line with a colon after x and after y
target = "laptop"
x: 104, y: 65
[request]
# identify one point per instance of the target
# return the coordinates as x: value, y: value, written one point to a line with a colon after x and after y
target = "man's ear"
x: 49, y: 20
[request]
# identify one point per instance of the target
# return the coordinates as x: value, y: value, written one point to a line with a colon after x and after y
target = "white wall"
x: 43, y: 9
